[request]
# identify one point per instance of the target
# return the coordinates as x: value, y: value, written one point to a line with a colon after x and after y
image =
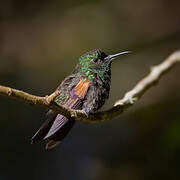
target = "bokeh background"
x: 40, y: 42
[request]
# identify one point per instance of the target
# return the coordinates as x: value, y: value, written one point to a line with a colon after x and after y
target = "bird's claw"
x: 75, y: 113
x: 85, y: 113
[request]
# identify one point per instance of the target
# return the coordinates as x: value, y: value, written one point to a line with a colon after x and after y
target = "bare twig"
x: 128, y: 100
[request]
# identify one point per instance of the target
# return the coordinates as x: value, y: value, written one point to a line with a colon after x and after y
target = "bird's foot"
x: 85, y: 112
x: 75, y: 113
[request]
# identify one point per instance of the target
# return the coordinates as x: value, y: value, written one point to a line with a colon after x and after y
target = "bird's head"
x: 96, y: 62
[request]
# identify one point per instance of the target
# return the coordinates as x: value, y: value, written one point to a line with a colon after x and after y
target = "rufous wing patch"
x: 81, y: 88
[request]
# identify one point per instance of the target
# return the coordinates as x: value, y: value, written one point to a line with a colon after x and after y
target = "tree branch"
x: 128, y: 100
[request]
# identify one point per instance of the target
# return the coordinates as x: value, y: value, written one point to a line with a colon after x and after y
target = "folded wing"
x: 57, y: 126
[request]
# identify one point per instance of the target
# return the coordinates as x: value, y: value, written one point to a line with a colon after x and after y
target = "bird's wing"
x: 77, y: 94
x: 57, y: 126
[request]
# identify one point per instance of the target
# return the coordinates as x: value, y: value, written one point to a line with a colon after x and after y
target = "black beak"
x: 113, y: 56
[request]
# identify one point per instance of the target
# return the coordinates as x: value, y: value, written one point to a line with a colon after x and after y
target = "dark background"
x: 40, y: 42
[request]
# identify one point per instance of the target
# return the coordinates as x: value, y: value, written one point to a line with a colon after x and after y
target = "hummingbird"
x: 86, y: 88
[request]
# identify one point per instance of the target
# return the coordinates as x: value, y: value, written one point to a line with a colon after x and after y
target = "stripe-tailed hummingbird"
x: 86, y: 89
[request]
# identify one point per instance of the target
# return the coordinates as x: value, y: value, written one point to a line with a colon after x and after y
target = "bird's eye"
x: 94, y: 60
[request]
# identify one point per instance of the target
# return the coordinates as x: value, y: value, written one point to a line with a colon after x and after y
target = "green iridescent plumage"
x: 89, y: 67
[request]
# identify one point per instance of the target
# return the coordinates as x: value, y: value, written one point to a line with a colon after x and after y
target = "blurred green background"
x: 40, y: 42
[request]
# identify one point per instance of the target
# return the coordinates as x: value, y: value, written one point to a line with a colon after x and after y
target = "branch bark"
x: 128, y: 100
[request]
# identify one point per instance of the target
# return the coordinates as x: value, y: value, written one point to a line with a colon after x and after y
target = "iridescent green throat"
x: 89, y: 69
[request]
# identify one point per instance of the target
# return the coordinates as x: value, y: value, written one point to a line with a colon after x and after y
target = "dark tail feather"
x: 60, y: 134
x: 44, y: 129
x: 51, y: 144
x: 54, y: 129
